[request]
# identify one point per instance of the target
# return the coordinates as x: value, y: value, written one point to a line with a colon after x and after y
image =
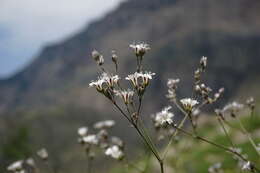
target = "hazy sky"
x: 27, y: 25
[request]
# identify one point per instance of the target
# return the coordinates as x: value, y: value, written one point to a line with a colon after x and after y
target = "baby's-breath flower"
x: 215, y: 168
x: 90, y: 139
x: 203, y: 62
x: 98, y: 84
x: 127, y: 95
x: 247, y: 166
x: 82, y: 131
x: 115, y: 152
x: 140, y: 49
x: 30, y: 162
x: 233, y: 108
x: 146, y: 77
x: 110, y: 79
x: 117, y: 141
x: 172, y: 83
x: 16, y: 166
x: 250, y: 102
x: 43, y: 154
x: 133, y: 78
x: 188, y: 103
x: 104, y: 124
x: 164, y: 117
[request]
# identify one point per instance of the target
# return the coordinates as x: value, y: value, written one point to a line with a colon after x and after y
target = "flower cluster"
x: 172, y: 87
x: 101, y: 140
x: 140, y: 49
x: 188, y: 104
x: 163, y: 117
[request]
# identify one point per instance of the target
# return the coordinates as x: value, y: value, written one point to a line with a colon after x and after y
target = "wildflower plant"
x: 128, y: 101
x: 190, y: 107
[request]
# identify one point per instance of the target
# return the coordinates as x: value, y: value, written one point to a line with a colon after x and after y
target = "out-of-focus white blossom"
x: 233, y: 108
x: 114, y: 152
x: 247, y: 166
x: 215, y: 168
x: 104, y: 124
x: 82, y: 131
x: 188, y: 103
x: 172, y: 83
x: 16, y: 166
x: 43, y: 154
x: 30, y: 162
x: 90, y: 139
x: 140, y: 49
x: 164, y: 117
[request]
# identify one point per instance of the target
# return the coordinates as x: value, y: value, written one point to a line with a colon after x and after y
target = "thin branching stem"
x: 248, y: 135
x: 225, y: 131
x: 173, y: 135
x: 139, y: 132
x: 214, y: 144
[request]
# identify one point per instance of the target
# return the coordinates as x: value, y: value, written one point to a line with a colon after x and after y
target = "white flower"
x: 82, y: 131
x: 30, y: 162
x: 16, y: 166
x: 233, y: 108
x: 126, y: 95
x: 133, y: 78
x: 172, y: 83
x: 247, y: 166
x: 98, y: 84
x: 114, y: 152
x: 140, y: 49
x: 146, y: 77
x: 188, y: 103
x: 104, y: 124
x: 215, y: 168
x: 203, y: 62
x: 110, y: 79
x: 43, y: 154
x: 164, y: 116
x: 90, y: 139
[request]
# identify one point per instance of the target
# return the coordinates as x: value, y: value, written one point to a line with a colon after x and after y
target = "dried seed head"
x: 97, y: 57
x: 114, y: 57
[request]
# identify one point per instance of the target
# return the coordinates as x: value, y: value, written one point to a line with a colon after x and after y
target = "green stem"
x: 225, y: 131
x: 173, y: 135
x: 248, y: 135
x: 215, y: 144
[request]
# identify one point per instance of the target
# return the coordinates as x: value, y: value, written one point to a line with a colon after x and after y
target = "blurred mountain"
x: 180, y: 32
